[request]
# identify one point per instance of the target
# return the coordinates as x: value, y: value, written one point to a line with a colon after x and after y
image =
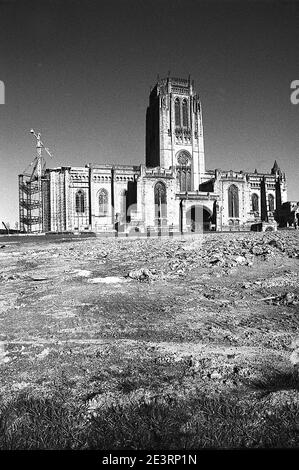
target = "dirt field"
x: 126, y: 324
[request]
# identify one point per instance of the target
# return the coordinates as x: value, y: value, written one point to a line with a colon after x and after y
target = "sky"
x: 80, y: 72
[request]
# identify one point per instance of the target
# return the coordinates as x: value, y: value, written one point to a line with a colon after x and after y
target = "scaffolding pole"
x: 31, y: 188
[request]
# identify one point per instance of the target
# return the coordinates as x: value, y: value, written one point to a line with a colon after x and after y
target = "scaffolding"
x: 32, y: 185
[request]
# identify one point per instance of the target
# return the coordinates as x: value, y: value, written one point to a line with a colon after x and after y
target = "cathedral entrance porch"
x: 196, y: 215
x: 198, y: 219
x: 195, y: 218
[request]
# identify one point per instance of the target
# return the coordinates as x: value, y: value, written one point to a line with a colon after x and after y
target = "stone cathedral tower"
x: 174, y: 130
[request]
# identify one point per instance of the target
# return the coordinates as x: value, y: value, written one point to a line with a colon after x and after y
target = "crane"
x: 37, y: 166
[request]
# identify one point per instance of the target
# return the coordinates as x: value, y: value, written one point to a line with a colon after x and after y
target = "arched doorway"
x: 199, y: 218
x: 160, y: 204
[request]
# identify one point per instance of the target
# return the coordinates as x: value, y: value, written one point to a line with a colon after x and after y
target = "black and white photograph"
x: 149, y: 238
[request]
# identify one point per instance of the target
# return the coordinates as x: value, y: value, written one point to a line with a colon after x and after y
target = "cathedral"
x: 172, y: 191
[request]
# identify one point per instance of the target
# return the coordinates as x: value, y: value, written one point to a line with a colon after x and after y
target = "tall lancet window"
x: 103, y: 202
x: 233, y: 201
x: 185, y: 113
x: 184, y: 171
x: 160, y: 200
x: 183, y: 180
x: 188, y: 179
x: 177, y: 113
x: 80, y: 202
x: 271, y: 202
x: 255, y: 202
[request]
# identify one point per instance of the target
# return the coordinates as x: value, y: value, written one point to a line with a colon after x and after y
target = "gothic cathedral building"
x: 172, y: 191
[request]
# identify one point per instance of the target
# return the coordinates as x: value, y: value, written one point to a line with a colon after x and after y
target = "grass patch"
x: 202, y: 422
x: 27, y: 422
x: 161, y: 422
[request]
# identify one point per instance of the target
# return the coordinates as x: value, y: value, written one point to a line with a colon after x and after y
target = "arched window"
x: 233, y: 201
x: 177, y: 113
x: 185, y: 113
x: 103, y: 202
x: 178, y: 178
x: 123, y: 202
x: 160, y: 200
x: 271, y: 202
x: 255, y: 202
x: 184, y: 170
x: 183, y: 181
x: 80, y: 202
x: 188, y: 179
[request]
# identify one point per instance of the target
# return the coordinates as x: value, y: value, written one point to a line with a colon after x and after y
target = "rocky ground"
x: 118, y: 322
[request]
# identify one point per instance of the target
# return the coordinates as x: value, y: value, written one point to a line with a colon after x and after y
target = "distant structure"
x: 288, y: 214
x: 174, y: 190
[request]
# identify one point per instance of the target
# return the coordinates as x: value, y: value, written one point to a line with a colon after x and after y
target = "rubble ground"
x: 192, y: 328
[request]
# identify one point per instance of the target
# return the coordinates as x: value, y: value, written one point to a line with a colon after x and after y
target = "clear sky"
x: 80, y: 72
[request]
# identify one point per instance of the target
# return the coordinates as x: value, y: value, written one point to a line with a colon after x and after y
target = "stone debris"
x: 285, y: 299
x: 143, y: 274
x: 82, y: 273
x: 106, y: 280
x: 45, y: 352
x: 294, y: 357
x: 224, y: 254
x: 173, y: 257
x: 4, y: 277
x: 3, y: 353
x: 21, y: 386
